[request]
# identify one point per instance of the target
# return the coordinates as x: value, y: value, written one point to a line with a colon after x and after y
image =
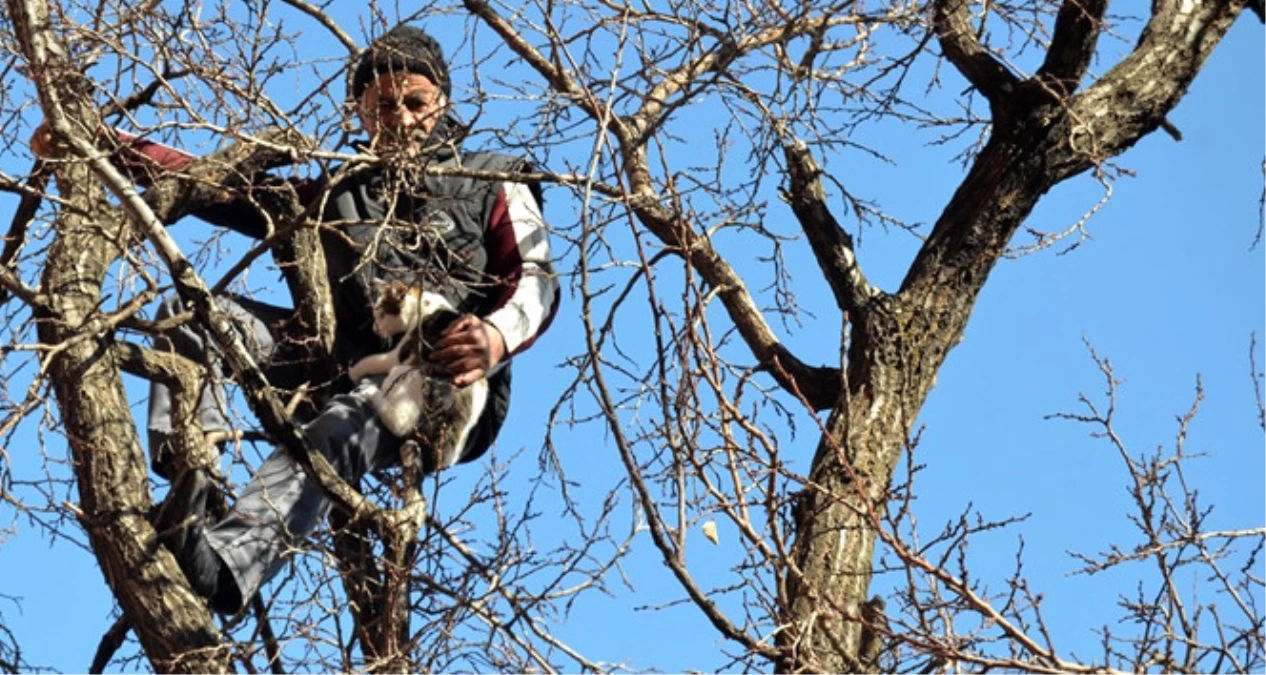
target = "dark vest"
x: 432, y: 232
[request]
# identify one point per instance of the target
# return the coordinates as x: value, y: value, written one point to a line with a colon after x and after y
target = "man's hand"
x: 469, y: 349
x: 42, y: 143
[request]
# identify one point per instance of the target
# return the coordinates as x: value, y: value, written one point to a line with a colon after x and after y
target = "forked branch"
x: 820, y: 385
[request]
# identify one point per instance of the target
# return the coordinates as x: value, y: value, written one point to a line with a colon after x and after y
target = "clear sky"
x: 1170, y: 287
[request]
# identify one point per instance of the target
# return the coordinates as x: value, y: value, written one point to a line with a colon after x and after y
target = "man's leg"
x: 281, y: 505
x: 257, y: 325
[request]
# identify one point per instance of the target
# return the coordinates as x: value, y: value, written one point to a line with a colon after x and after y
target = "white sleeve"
x: 532, y: 304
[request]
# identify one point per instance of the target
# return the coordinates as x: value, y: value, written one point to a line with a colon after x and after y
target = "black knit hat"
x: 403, y: 49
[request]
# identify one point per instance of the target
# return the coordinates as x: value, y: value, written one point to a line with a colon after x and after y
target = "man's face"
x: 398, y: 110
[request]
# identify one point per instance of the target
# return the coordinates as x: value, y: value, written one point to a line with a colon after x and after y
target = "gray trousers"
x: 281, y: 505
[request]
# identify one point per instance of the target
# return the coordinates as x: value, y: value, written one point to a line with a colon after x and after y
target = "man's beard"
x: 404, y: 159
x: 403, y: 144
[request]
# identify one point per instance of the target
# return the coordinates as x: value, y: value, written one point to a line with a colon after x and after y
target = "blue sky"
x: 1169, y: 287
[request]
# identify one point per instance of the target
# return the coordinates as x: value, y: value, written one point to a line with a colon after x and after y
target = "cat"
x: 415, y: 400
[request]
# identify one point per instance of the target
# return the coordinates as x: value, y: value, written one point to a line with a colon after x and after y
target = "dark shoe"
x: 160, y: 455
x: 186, y: 539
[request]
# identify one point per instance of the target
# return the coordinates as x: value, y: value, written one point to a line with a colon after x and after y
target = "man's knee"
x: 350, y: 435
x: 337, y: 433
x: 331, y: 427
x: 171, y: 306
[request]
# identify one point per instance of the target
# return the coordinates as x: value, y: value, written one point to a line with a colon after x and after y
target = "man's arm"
x: 517, y: 245
x: 145, y: 161
x: 137, y: 157
x: 519, y: 252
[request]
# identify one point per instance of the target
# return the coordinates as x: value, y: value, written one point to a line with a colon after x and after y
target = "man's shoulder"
x: 486, y: 160
x: 493, y: 169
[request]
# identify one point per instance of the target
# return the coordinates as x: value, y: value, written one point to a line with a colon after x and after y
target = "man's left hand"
x: 469, y: 349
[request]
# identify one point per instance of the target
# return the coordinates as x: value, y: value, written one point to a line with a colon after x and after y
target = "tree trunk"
x: 1043, y: 135
x: 171, y: 622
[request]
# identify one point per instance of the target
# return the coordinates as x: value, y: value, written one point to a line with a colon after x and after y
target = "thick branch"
x: 1133, y: 98
x: 301, y: 258
x: 1052, y: 141
x: 1077, y: 30
x: 952, y: 24
x: 1047, y: 140
x: 206, y: 181
x: 108, y: 461
x: 168, y: 368
x: 831, y: 244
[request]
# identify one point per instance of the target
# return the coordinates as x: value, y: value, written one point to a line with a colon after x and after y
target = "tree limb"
x: 168, y: 368
x: 329, y: 24
x: 28, y: 206
x: 1132, y: 99
x: 820, y: 385
x: 110, y: 643
x: 831, y: 244
x: 952, y: 25
x: 1077, y: 29
x: 1055, y: 140
x: 108, y: 461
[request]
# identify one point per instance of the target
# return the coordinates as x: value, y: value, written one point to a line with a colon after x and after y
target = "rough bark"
x: 171, y: 621
x: 1045, y: 131
x: 175, y: 629
x: 1043, y: 134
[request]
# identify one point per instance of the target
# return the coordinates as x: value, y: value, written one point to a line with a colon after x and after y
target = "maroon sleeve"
x: 517, y: 244
x: 144, y: 160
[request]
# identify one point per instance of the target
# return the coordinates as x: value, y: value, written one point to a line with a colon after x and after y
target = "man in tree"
x: 480, y: 242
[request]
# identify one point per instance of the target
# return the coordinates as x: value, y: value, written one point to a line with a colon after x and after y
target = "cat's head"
x: 396, y: 306
x: 390, y: 294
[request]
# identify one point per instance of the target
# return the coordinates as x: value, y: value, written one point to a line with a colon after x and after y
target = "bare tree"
x: 687, y: 244
x: 396, y: 562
